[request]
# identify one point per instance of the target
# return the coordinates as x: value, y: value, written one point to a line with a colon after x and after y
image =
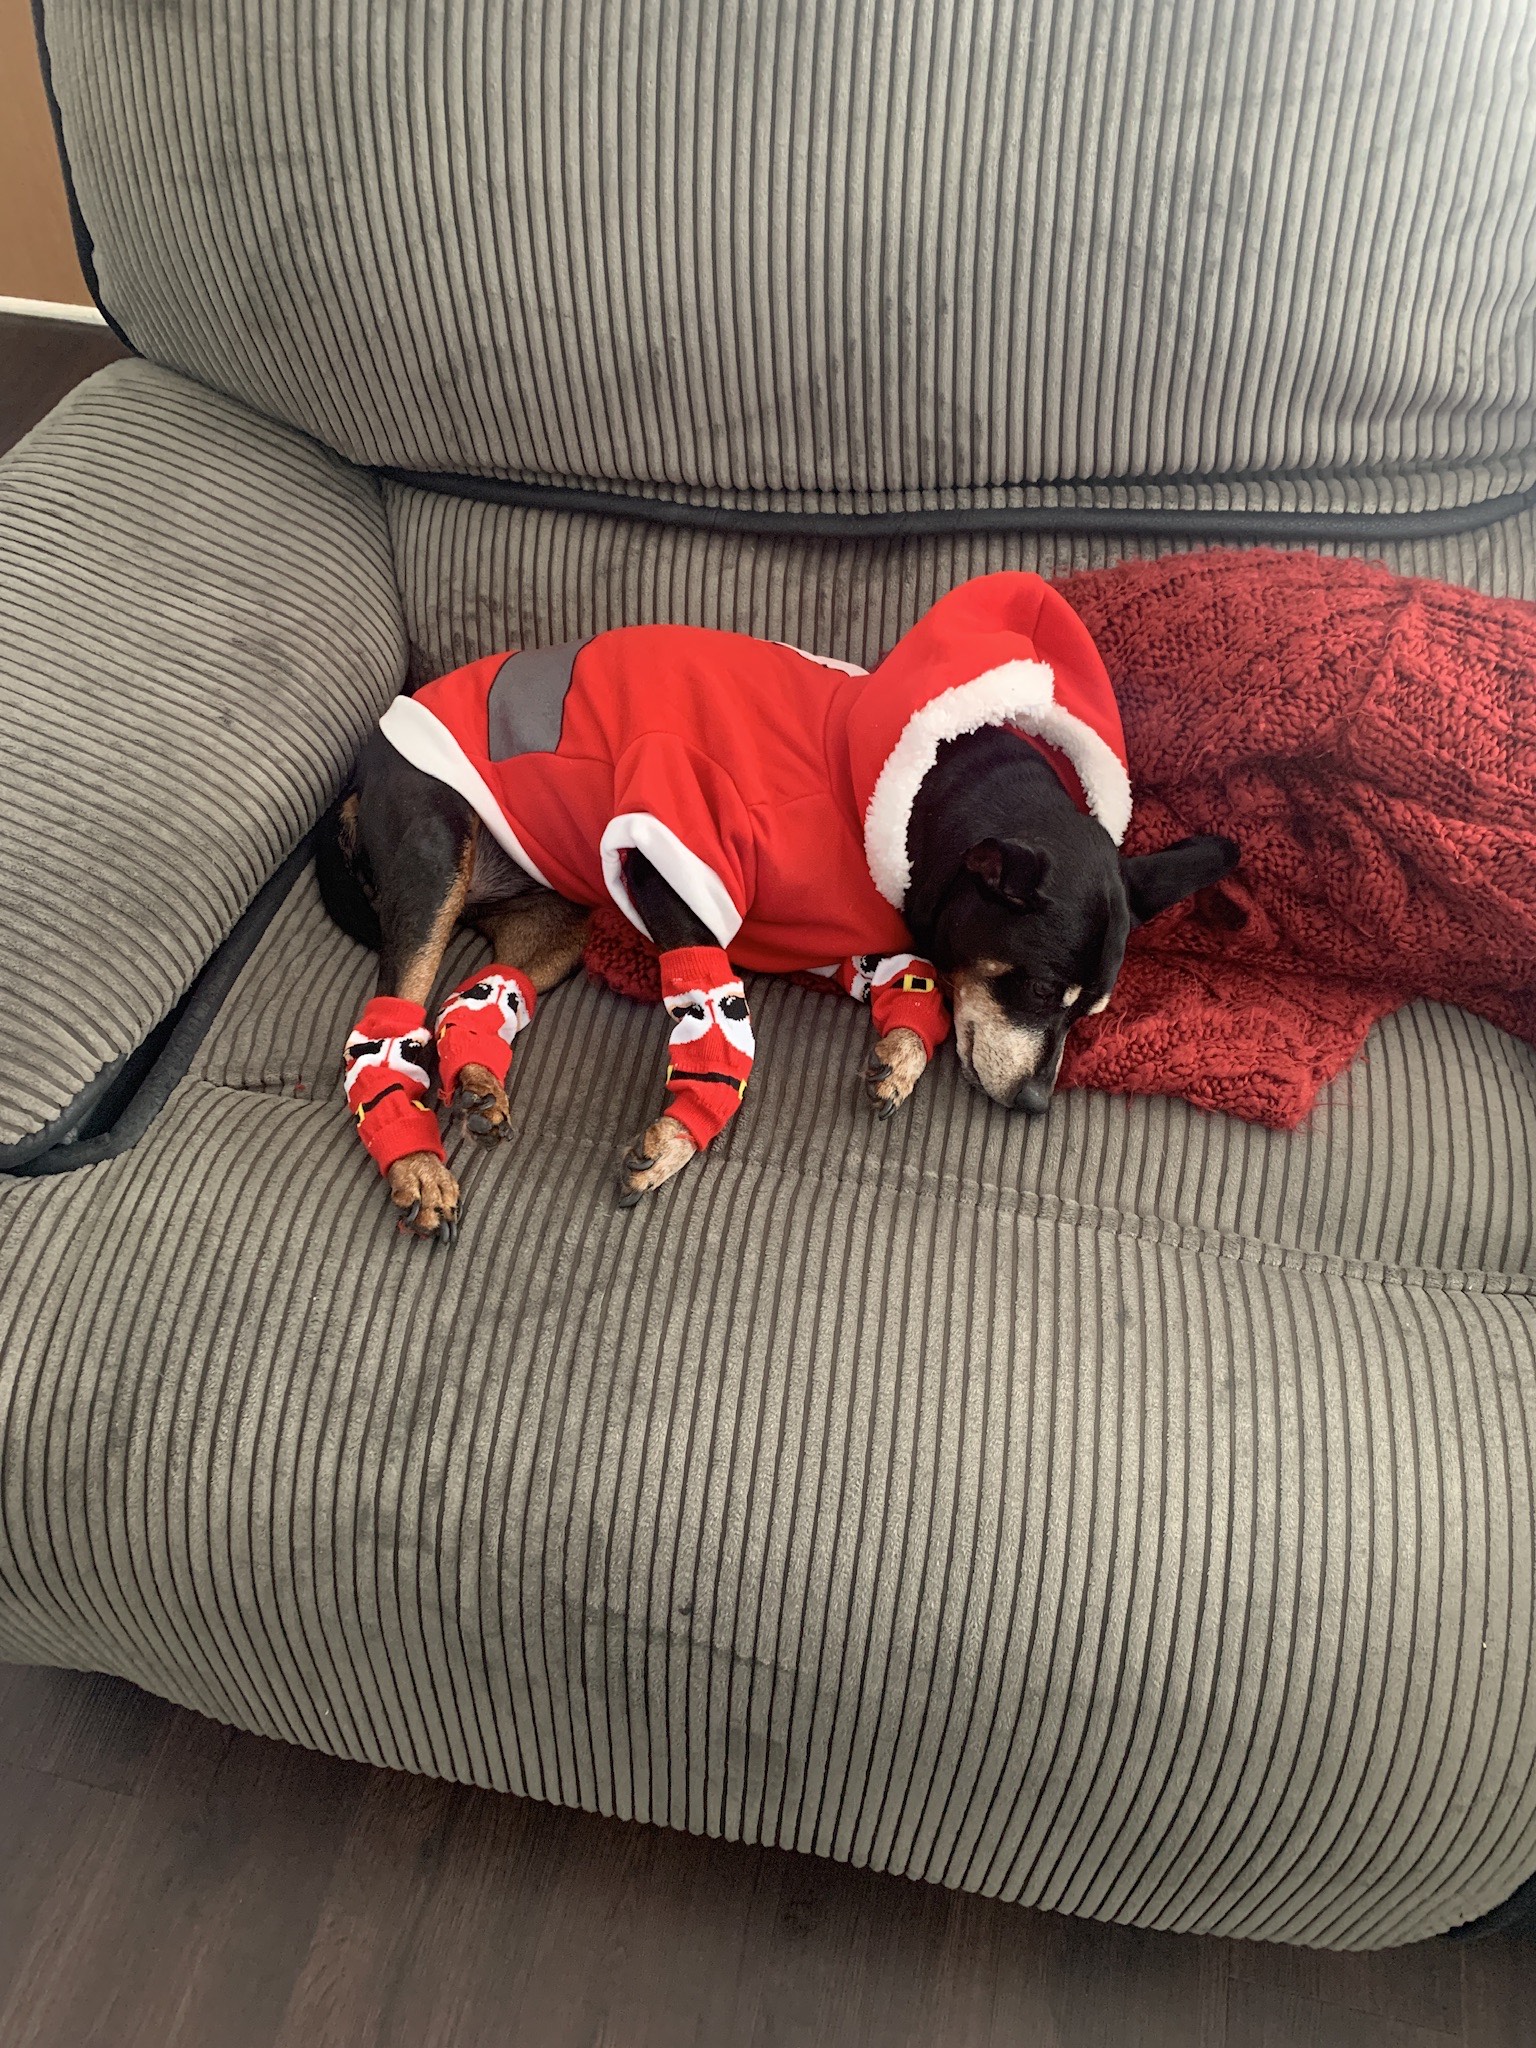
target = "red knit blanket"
x: 1371, y: 742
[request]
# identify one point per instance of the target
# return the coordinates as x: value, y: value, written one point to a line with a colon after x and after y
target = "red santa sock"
x: 478, y: 1022
x: 709, y: 1055
x: 901, y: 991
x: 387, y: 1081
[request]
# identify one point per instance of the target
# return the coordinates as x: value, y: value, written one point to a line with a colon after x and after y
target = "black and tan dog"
x: 951, y: 818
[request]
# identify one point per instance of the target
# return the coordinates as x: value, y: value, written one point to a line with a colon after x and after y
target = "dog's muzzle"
x: 1034, y: 1096
x: 1016, y: 1064
x: 1008, y: 1066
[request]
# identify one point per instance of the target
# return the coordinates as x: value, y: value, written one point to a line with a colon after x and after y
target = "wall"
x: 37, y: 249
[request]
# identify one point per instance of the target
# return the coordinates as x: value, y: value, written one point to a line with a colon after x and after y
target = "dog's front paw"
x: 660, y: 1151
x: 893, y: 1069
x: 481, y: 1101
x: 426, y: 1195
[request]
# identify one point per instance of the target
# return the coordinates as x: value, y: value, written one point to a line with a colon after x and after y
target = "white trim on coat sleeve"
x: 693, y: 879
x: 415, y: 732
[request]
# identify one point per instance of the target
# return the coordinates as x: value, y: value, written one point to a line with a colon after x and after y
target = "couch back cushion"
x: 833, y: 254
x: 476, y: 578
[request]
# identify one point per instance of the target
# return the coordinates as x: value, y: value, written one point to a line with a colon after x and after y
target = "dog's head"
x: 1031, y: 935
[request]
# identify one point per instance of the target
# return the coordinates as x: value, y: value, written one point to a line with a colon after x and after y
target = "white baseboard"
x: 52, y: 309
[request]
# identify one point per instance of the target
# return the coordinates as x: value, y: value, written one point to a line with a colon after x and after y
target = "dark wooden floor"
x: 165, y: 1883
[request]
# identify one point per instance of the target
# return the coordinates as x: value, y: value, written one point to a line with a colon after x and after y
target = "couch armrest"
x: 198, y: 622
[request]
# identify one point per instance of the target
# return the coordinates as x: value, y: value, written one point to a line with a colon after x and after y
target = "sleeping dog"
x: 940, y: 835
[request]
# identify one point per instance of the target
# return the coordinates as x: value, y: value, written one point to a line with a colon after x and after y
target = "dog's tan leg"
x: 413, y: 972
x: 895, y: 1065
x: 541, y: 933
x: 544, y: 935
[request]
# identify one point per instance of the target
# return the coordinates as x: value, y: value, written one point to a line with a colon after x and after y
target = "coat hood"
x: 1000, y: 650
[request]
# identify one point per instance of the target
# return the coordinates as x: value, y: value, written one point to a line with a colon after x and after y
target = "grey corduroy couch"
x: 1130, y: 1512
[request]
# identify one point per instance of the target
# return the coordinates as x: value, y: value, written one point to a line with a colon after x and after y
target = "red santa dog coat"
x: 771, y: 788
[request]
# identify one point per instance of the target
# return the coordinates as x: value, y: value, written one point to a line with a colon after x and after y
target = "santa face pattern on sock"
x: 902, y: 992
x: 387, y: 1079
x: 478, y: 1022
x: 711, y: 1049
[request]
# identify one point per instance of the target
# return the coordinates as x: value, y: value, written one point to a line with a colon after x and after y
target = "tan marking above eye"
x: 1073, y: 995
x: 1095, y: 1008
x: 991, y: 969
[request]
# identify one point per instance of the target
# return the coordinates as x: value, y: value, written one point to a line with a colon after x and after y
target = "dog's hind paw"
x: 660, y: 1151
x: 427, y: 1197
x: 481, y: 1101
x: 893, y: 1069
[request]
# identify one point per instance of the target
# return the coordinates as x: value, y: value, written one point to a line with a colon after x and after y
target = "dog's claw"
x: 482, y: 1122
x: 873, y: 1075
x: 892, y: 1069
x: 427, y: 1198
x: 483, y: 1110
x: 661, y: 1150
x: 633, y: 1162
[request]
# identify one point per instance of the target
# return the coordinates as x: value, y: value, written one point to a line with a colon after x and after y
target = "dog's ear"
x: 1156, y: 881
x: 1008, y: 869
x: 1115, y: 929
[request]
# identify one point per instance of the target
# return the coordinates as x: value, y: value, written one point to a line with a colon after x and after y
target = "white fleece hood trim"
x: 1020, y: 694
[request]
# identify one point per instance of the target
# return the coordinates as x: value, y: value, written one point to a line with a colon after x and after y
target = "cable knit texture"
x: 1370, y: 740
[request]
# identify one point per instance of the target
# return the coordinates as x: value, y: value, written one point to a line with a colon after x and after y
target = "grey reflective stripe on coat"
x: 526, y: 702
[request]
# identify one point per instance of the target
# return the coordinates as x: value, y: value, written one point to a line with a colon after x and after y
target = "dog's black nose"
x: 1034, y: 1097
